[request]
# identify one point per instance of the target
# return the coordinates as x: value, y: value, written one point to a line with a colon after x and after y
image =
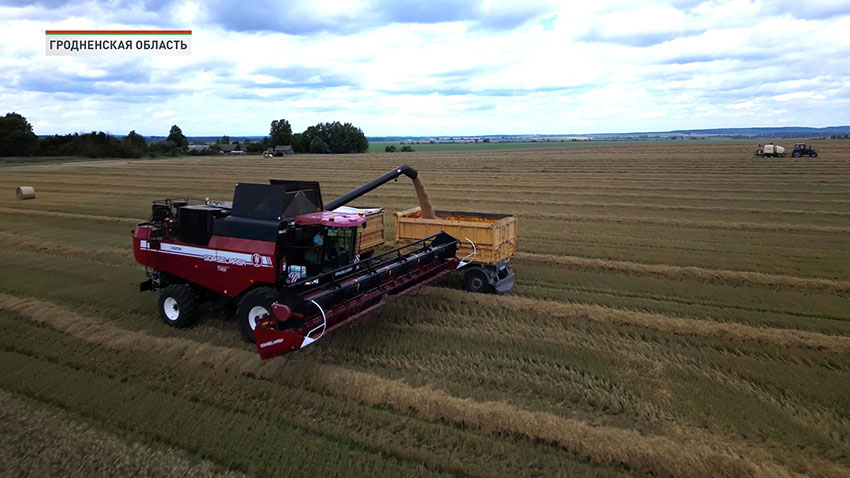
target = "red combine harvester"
x: 287, y: 261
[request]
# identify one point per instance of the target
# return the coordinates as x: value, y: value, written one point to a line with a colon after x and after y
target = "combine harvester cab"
x: 372, y: 232
x: 290, y: 264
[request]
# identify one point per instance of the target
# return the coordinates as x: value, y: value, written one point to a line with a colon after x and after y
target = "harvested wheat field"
x: 682, y: 310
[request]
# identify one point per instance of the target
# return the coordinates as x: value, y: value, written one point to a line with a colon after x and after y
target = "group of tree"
x: 330, y: 138
x: 390, y: 148
x: 96, y: 144
x: 18, y: 139
x: 175, y: 143
x: 16, y: 136
x: 280, y: 133
x: 323, y: 138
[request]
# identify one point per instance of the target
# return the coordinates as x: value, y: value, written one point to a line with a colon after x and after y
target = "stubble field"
x: 682, y: 309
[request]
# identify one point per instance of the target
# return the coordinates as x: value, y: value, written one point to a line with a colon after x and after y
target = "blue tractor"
x: 803, y: 149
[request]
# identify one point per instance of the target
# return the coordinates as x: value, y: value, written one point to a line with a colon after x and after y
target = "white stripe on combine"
x: 237, y: 258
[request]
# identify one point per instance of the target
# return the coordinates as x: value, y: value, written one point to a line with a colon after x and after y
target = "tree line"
x: 18, y: 139
x: 323, y: 138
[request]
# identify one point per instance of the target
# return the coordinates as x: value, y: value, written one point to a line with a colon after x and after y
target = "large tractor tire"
x: 178, y: 306
x: 253, y: 306
x: 796, y: 154
x: 475, y: 280
x: 814, y: 155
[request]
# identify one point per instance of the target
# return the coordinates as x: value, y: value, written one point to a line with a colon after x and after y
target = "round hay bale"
x: 25, y: 192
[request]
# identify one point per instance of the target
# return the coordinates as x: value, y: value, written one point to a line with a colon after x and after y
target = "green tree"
x: 300, y: 142
x: 337, y: 138
x: 318, y: 146
x: 167, y: 147
x: 390, y: 148
x: 133, y: 145
x: 348, y: 139
x: 175, y: 135
x: 280, y: 133
x: 16, y: 136
x: 252, y: 147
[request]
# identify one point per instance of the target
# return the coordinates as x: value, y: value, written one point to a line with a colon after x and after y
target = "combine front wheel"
x: 178, y: 306
x: 254, y: 306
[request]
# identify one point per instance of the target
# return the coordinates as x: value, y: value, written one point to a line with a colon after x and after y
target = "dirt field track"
x: 682, y: 310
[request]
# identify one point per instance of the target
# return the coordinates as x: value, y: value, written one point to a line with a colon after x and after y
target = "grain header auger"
x: 283, y: 257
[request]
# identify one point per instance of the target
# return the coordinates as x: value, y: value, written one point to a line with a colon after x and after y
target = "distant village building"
x: 494, y: 139
x: 199, y: 148
x: 283, y: 149
x: 226, y: 148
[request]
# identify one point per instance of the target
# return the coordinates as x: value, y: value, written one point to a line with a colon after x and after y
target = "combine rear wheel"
x: 178, y: 306
x: 254, y: 306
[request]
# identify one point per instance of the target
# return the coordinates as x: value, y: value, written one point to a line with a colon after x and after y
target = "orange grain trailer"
x: 487, y: 243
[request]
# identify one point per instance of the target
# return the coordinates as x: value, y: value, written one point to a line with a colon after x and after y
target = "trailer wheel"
x: 476, y: 281
x: 178, y: 306
x: 253, y: 306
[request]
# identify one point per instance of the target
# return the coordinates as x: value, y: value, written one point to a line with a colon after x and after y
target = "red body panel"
x: 226, y: 265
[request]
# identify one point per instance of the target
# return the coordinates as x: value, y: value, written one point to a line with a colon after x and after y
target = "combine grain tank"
x: 489, y: 240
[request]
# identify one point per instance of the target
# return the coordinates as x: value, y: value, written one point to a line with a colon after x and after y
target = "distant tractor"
x: 271, y: 153
x: 770, y: 150
x: 278, y: 151
x: 803, y: 149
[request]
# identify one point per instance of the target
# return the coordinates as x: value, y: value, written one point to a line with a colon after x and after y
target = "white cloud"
x: 188, y: 12
x: 798, y: 95
x: 743, y: 106
x: 465, y: 69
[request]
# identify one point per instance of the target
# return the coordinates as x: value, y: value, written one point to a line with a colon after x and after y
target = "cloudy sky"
x: 436, y: 67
